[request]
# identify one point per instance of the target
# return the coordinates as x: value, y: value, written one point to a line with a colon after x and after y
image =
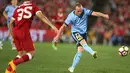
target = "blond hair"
x: 78, y: 5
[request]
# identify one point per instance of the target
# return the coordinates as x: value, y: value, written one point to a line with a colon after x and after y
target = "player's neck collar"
x: 14, y: 6
x: 74, y: 13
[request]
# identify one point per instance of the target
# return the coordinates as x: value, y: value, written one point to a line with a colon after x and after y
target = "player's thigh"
x: 79, y: 38
x: 28, y: 45
x: 83, y: 42
x: 80, y: 49
x: 18, y: 45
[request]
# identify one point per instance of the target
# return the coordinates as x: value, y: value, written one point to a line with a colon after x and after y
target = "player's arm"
x: 99, y: 14
x: 43, y: 18
x: 66, y: 23
x: 11, y: 25
x: 5, y: 15
x: 56, y: 38
x: 60, y: 31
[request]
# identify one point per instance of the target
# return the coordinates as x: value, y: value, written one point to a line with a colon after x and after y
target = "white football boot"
x: 71, y: 69
x: 1, y: 45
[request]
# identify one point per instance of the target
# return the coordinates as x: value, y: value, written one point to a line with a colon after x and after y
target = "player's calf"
x: 87, y: 48
x: 11, y: 68
x: 13, y: 64
x: 24, y: 58
x: 1, y: 45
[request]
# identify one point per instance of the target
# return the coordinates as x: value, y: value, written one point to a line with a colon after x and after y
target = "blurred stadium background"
x: 101, y: 34
x: 115, y: 31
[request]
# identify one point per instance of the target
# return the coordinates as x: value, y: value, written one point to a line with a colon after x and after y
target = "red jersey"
x: 57, y: 19
x: 23, y: 16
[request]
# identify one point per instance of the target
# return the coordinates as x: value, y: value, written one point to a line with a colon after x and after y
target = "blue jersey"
x: 10, y: 10
x: 79, y: 23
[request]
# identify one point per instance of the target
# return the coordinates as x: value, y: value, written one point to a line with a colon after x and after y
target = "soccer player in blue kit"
x: 8, y: 12
x: 78, y: 18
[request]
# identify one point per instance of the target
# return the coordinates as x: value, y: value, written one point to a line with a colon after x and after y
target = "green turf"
x: 47, y: 60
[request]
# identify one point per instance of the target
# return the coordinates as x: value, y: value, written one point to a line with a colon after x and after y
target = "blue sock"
x: 4, y: 39
x: 76, y: 59
x: 87, y: 48
x: 11, y: 41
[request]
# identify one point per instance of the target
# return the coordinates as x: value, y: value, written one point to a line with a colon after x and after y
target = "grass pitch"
x: 47, y: 60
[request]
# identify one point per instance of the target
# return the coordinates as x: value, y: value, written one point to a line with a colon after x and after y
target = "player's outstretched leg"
x: 5, y: 38
x: 13, y: 64
x: 1, y: 45
x: 88, y: 49
x: 11, y: 41
x: 1, y: 42
x: 54, y: 45
x: 9, y: 69
x: 76, y: 59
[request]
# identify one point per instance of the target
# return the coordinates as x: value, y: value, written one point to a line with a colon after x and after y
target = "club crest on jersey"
x: 77, y: 20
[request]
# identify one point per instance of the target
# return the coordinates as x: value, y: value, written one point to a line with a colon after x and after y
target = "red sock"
x: 9, y: 68
x: 16, y: 58
x: 24, y: 58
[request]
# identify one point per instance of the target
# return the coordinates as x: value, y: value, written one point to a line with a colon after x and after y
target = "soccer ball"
x: 123, y: 51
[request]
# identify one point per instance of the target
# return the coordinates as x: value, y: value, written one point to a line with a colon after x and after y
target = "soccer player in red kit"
x: 59, y: 18
x: 23, y: 16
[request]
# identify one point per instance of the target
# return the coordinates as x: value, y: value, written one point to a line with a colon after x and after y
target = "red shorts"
x: 23, y: 41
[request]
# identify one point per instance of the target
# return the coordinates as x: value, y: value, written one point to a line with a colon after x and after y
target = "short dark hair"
x: 77, y: 5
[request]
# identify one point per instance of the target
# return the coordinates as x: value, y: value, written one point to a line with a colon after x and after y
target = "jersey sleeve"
x: 36, y: 9
x: 68, y: 20
x: 7, y: 9
x: 87, y: 11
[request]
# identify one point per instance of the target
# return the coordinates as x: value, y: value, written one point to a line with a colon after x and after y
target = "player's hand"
x: 106, y: 16
x: 56, y: 38
x: 55, y: 29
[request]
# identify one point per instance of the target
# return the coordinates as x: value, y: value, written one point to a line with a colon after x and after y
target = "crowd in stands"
x: 115, y: 31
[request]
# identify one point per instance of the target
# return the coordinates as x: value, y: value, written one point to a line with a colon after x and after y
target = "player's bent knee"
x: 30, y: 56
x: 83, y: 42
x: 80, y: 49
x: 32, y: 53
x: 18, y: 56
